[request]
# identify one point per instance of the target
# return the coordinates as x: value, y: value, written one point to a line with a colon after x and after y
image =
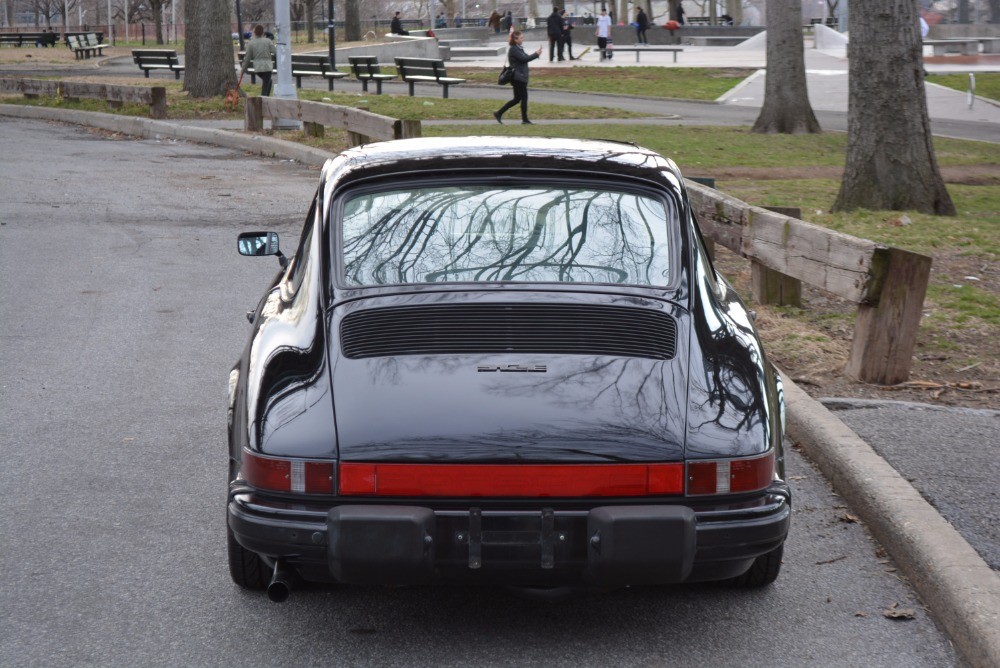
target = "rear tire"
x: 247, y: 569
x: 763, y: 572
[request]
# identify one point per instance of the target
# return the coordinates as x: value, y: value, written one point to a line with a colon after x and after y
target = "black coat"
x: 553, y: 25
x: 519, y: 61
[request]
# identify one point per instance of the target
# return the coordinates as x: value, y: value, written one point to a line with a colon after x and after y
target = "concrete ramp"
x: 828, y: 39
x: 756, y: 43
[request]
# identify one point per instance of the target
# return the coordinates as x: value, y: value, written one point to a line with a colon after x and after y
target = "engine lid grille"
x: 509, y: 328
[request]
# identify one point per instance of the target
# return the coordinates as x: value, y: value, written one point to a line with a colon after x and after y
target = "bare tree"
x: 672, y: 9
x: 735, y: 9
x: 786, y: 107
x: 352, y: 20
x: 208, y: 48
x: 890, y: 156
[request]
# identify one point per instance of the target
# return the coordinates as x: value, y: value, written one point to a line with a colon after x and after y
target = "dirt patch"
x: 955, y: 364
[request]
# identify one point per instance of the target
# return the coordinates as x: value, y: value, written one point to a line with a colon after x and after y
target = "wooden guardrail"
x: 362, y: 126
x: 115, y: 96
x: 888, y: 284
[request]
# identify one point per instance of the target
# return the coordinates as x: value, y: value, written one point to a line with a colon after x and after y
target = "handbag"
x: 506, y: 75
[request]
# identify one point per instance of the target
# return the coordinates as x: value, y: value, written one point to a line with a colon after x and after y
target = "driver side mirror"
x: 258, y: 243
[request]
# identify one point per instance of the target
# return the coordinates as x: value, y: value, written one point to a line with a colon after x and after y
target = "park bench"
x: 641, y: 49
x: 157, y: 59
x: 968, y: 47
x: 315, y: 65
x: 365, y: 69
x: 699, y: 20
x: 21, y: 38
x: 425, y: 70
x: 80, y: 47
x: 80, y: 34
x: 94, y: 42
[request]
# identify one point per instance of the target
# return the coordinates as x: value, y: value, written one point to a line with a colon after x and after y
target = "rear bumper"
x: 610, y: 545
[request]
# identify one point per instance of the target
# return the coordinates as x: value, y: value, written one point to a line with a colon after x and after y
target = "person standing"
x: 494, y: 22
x: 641, y: 26
x: 680, y: 13
x: 260, y: 53
x: 519, y: 60
x: 553, y: 26
x: 567, y: 35
x: 396, y: 26
x: 603, y: 32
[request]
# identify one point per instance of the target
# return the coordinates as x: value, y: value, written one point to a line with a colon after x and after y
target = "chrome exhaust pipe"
x: 281, y: 582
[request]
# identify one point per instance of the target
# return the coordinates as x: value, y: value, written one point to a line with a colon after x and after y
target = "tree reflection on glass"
x: 486, y: 233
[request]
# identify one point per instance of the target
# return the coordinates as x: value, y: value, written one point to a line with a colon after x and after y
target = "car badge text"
x: 512, y: 368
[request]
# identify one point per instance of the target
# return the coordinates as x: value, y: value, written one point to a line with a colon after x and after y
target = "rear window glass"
x: 483, y: 233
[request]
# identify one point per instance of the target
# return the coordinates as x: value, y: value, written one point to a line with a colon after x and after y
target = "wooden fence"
x: 888, y: 284
x: 115, y: 96
x: 362, y: 126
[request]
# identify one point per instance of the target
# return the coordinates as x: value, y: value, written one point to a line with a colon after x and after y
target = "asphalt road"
x: 123, y: 305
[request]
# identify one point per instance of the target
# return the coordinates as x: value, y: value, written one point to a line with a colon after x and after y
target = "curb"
x: 950, y: 576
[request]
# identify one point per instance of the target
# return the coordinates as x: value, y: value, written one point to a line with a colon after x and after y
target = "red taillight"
x: 730, y: 476
x: 511, y: 480
x: 278, y: 474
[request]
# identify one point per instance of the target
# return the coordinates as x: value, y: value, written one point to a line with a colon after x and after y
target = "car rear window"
x: 484, y: 233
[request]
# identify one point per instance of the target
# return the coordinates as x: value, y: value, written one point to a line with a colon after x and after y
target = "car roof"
x: 509, y: 154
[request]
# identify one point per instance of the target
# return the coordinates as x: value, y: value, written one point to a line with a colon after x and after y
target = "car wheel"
x: 763, y: 572
x: 247, y: 568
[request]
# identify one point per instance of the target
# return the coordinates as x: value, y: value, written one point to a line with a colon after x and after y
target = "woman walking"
x: 260, y: 53
x: 519, y: 61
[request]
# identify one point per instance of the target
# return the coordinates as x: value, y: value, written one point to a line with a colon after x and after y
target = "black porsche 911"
x: 502, y: 360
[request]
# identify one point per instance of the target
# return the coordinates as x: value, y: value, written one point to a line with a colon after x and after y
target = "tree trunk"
x: 786, y: 107
x: 352, y: 20
x: 890, y: 157
x: 208, y: 48
x: 963, y: 11
x: 310, y: 20
x: 672, y: 10
x: 735, y: 9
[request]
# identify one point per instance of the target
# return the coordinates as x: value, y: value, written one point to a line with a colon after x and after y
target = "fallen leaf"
x: 860, y: 614
x: 848, y: 518
x: 896, y: 612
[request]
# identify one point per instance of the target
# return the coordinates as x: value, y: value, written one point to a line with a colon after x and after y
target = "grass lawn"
x: 987, y: 83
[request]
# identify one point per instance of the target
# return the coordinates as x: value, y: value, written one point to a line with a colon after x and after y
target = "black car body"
x: 503, y: 360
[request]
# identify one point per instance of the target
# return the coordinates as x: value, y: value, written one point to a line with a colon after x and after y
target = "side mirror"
x: 258, y: 243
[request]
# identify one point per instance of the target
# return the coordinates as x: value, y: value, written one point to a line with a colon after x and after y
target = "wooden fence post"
x: 885, y: 332
x: 253, y: 114
x: 158, y: 105
x: 772, y: 287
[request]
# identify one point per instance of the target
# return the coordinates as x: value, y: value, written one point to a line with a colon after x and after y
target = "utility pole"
x: 330, y: 28
x: 285, y: 88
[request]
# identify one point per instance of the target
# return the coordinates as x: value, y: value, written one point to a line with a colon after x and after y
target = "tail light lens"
x: 730, y: 476
x: 278, y: 474
x: 703, y: 477
x: 511, y: 480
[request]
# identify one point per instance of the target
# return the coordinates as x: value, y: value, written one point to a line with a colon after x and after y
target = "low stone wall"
x: 960, y: 30
x: 410, y: 47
